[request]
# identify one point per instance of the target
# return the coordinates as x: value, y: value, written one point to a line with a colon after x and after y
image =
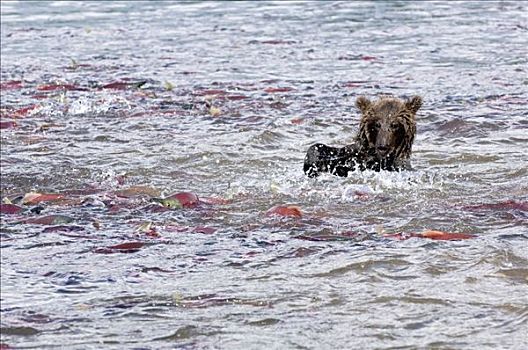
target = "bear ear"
x: 414, y: 103
x: 363, y: 103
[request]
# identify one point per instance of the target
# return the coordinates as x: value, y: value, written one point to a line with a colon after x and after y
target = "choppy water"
x: 234, y: 94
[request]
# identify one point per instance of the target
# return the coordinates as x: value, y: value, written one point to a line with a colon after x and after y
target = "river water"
x: 109, y: 104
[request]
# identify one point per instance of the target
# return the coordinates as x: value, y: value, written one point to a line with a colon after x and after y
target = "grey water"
x: 227, y: 98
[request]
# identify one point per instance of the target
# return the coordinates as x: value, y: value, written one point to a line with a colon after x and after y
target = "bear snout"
x: 382, y: 150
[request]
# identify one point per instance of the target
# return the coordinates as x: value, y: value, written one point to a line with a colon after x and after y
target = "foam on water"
x: 330, y: 187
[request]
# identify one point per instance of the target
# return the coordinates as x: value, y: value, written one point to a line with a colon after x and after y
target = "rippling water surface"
x: 109, y: 104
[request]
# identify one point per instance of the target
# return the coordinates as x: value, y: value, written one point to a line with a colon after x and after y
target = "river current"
x: 107, y: 105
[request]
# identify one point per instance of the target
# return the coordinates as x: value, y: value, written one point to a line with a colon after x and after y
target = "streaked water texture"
x: 109, y: 104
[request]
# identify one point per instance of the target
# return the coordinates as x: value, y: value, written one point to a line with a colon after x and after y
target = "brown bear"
x: 384, y: 141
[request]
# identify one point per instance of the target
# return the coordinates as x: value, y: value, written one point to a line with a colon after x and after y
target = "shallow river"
x: 108, y: 105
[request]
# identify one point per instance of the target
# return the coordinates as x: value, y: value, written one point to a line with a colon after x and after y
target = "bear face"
x: 386, y: 132
x: 384, y: 141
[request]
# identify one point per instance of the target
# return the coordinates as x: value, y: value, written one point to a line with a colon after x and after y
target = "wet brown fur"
x: 386, y: 132
x: 384, y: 140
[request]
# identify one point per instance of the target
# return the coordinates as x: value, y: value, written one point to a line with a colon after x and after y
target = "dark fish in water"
x: 123, y: 85
x: 11, y: 209
x: 11, y: 85
x: 129, y: 247
x: 54, y: 87
x: 8, y: 125
x: 506, y: 205
x: 50, y: 220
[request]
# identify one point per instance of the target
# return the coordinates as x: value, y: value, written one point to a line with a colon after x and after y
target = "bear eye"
x: 375, y: 125
x: 395, y: 125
